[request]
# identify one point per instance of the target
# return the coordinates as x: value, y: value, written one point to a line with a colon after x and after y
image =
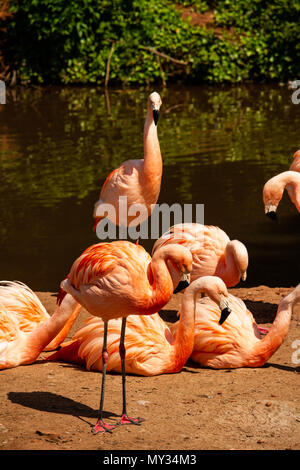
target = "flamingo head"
x: 179, y: 261
x: 155, y: 104
x: 272, y: 194
x: 216, y: 289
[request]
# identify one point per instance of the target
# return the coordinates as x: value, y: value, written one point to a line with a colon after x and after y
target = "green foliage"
x: 60, y: 41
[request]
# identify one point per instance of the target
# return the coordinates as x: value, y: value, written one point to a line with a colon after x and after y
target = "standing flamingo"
x: 238, y: 342
x: 213, y: 252
x: 137, y: 180
x: 295, y: 165
x: 26, y: 329
x: 117, y: 279
x: 273, y: 191
x: 151, y: 349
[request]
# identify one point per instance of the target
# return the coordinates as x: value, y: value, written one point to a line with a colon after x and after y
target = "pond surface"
x: 219, y: 146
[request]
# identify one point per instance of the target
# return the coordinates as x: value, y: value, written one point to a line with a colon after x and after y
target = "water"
x: 219, y: 147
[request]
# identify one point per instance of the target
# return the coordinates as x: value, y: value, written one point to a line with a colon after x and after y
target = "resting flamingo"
x: 150, y: 346
x: 117, y: 279
x: 26, y: 329
x: 213, y: 252
x: 238, y: 342
x: 273, y: 191
x: 295, y: 165
x: 137, y: 180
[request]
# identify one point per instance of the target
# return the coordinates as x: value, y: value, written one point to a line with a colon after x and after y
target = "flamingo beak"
x: 183, y: 283
x: 272, y: 215
x: 224, y: 315
x: 225, y: 310
x: 270, y: 211
x: 244, y: 276
x: 155, y: 116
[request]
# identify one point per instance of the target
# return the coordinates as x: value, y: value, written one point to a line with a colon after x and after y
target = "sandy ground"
x: 53, y: 406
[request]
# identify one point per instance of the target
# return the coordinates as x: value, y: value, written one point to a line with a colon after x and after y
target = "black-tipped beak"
x: 224, y: 315
x: 272, y: 215
x: 182, y: 285
x: 155, y: 116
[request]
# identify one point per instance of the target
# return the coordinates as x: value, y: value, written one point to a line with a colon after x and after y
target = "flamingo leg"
x: 125, y: 419
x: 100, y: 425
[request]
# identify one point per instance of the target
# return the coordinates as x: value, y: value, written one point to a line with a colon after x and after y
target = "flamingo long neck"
x: 162, y: 285
x: 56, y: 327
x: 293, y: 189
x: 152, y: 154
x: 267, y: 346
x: 230, y: 272
x: 289, y: 180
x: 184, y: 342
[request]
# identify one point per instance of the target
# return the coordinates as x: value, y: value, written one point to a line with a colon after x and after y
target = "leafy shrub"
x: 142, y: 41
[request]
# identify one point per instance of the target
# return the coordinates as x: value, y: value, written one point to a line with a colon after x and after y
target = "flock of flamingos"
x: 123, y: 288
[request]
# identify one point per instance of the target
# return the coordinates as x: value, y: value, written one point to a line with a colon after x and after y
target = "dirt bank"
x: 52, y: 406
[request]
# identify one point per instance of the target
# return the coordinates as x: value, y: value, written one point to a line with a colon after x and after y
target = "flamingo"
x: 295, y: 165
x: 273, y: 191
x: 117, y: 279
x: 213, y: 252
x: 238, y: 342
x: 26, y: 329
x: 151, y: 348
x: 138, y: 181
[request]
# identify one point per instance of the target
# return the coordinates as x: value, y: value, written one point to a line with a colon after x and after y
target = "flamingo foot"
x: 127, y: 420
x: 263, y: 331
x: 103, y: 427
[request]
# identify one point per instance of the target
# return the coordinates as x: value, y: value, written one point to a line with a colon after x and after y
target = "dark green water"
x: 219, y: 146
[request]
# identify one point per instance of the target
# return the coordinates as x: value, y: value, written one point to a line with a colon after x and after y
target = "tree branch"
x: 165, y: 56
x: 108, y: 64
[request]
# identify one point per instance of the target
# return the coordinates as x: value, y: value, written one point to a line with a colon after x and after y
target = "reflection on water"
x: 219, y: 146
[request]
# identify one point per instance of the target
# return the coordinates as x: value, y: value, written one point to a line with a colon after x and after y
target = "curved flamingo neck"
x: 267, y: 346
x: 292, y: 186
x: 57, y: 325
x: 289, y: 180
x: 152, y: 154
x: 161, y: 284
x: 184, y: 342
x: 229, y: 271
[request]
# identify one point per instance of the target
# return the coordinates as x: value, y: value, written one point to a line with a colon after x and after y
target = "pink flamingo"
x: 213, y: 252
x: 137, y: 180
x: 26, y: 329
x: 295, y: 165
x: 117, y: 279
x: 238, y: 342
x: 273, y: 191
x: 151, y: 348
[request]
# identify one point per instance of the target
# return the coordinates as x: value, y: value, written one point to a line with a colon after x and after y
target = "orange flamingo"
x: 151, y: 349
x: 238, y: 342
x: 26, y: 329
x: 137, y: 180
x: 213, y: 252
x: 273, y: 191
x: 295, y: 165
x: 117, y: 279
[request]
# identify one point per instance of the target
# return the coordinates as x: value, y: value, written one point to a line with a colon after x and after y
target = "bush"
x: 143, y: 41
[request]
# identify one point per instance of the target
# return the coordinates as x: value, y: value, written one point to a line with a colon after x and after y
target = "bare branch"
x: 108, y: 64
x: 165, y: 56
